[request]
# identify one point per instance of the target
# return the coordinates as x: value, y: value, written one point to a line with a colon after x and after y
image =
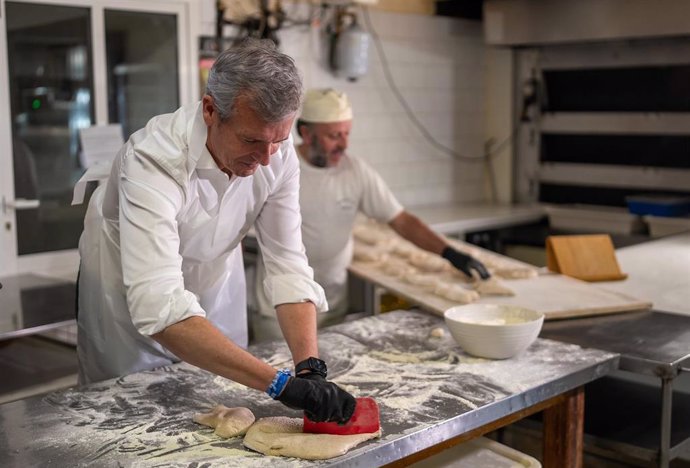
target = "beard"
x: 318, y: 156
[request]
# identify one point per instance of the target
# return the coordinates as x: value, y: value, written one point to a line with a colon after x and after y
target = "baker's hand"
x: 321, y: 400
x: 465, y: 263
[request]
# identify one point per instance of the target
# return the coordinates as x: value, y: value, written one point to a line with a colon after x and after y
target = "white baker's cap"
x: 325, y: 106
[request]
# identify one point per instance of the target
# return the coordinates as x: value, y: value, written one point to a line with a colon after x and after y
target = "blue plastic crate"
x: 658, y: 205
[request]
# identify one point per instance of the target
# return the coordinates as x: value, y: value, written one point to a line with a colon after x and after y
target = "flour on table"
x: 227, y: 422
x: 283, y: 436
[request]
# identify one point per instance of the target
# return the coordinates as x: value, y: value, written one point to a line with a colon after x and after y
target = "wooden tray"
x: 555, y: 295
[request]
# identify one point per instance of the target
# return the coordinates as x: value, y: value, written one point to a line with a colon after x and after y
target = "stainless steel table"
x: 430, y: 394
x: 650, y: 343
x: 32, y: 304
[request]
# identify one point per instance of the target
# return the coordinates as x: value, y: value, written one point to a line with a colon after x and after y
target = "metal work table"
x: 430, y: 393
x: 650, y: 343
x: 458, y: 219
x: 32, y: 304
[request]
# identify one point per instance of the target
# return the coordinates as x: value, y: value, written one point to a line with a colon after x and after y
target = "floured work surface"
x: 426, y: 387
x: 383, y: 258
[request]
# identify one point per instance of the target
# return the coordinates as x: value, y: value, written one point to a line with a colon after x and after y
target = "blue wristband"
x: 278, y: 383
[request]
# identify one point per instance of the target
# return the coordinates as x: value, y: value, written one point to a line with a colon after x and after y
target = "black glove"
x: 312, y: 376
x: 320, y: 400
x: 465, y: 263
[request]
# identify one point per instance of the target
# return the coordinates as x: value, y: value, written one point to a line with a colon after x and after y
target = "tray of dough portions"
x: 384, y: 258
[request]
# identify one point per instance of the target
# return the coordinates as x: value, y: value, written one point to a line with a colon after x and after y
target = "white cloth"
x: 330, y: 199
x: 161, y: 243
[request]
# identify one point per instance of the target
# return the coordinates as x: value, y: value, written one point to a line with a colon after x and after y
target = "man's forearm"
x: 298, y: 324
x: 196, y: 341
x: 414, y: 230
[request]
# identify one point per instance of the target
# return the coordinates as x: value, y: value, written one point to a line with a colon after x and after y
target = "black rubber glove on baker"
x: 465, y: 263
x: 321, y: 400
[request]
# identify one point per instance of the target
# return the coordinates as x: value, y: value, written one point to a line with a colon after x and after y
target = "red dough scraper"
x: 364, y: 420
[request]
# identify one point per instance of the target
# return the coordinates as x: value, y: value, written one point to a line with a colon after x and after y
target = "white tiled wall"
x: 439, y: 66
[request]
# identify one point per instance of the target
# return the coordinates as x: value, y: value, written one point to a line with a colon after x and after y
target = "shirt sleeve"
x: 377, y: 200
x: 289, y: 278
x: 149, y: 202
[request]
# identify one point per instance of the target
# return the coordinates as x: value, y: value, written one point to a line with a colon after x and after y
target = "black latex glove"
x: 465, y: 263
x: 312, y: 376
x: 321, y: 400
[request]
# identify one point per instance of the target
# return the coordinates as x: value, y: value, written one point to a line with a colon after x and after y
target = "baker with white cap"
x: 334, y: 187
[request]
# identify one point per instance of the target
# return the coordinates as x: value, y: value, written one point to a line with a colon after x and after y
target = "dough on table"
x: 283, y: 436
x: 456, y: 293
x: 428, y: 262
x: 420, y: 279
x: 437, y: 332
x: 397, y: 268
x: 227, y: 422
x: 367, y: 235
x: 515, y: 273
x: 404, y: 249
x: 492, y: 287
x: 364, y: 253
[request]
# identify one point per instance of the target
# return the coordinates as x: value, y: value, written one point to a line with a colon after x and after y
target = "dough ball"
x: 367, y: 235
x: 227, y: 422
x: 456, y: 293
x: 404, y: 249
x: 437, y: 332
x: 283, y: 436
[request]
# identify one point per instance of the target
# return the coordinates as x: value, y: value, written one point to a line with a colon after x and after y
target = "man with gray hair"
x: 162, y: 276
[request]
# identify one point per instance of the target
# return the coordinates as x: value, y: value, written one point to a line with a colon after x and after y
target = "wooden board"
x: 555, y: 295
x: 587, y: 257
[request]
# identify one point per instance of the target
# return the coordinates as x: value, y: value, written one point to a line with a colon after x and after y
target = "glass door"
x: 71, y: 65
x: 51, y: 97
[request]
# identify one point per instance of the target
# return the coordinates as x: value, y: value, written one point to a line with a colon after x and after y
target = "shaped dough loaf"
x: 456, y: 293
x: 397, y: 268
x: 492, y: 287
x: 421, y: 279
x: 227, y: 422
x: 284, y: 437
x: 367, y: 235
x: 428, y: 262
x: 363, y: 253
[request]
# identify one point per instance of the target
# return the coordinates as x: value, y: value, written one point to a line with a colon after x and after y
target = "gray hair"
x: 255, y: 69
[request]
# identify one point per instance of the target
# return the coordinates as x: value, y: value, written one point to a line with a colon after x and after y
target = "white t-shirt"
x: 330, y: 199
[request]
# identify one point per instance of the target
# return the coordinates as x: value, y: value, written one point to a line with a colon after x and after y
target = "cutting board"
x: 587, y: 257
x: 555, y: 295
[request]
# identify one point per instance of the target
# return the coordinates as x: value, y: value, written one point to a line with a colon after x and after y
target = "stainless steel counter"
x: 428, y: 391
x: 651, y: 343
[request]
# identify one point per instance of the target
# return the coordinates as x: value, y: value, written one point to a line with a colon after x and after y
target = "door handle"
x: 19, y: 204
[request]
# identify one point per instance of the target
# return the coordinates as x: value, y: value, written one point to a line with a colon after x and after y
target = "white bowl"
x: 495, y: 331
